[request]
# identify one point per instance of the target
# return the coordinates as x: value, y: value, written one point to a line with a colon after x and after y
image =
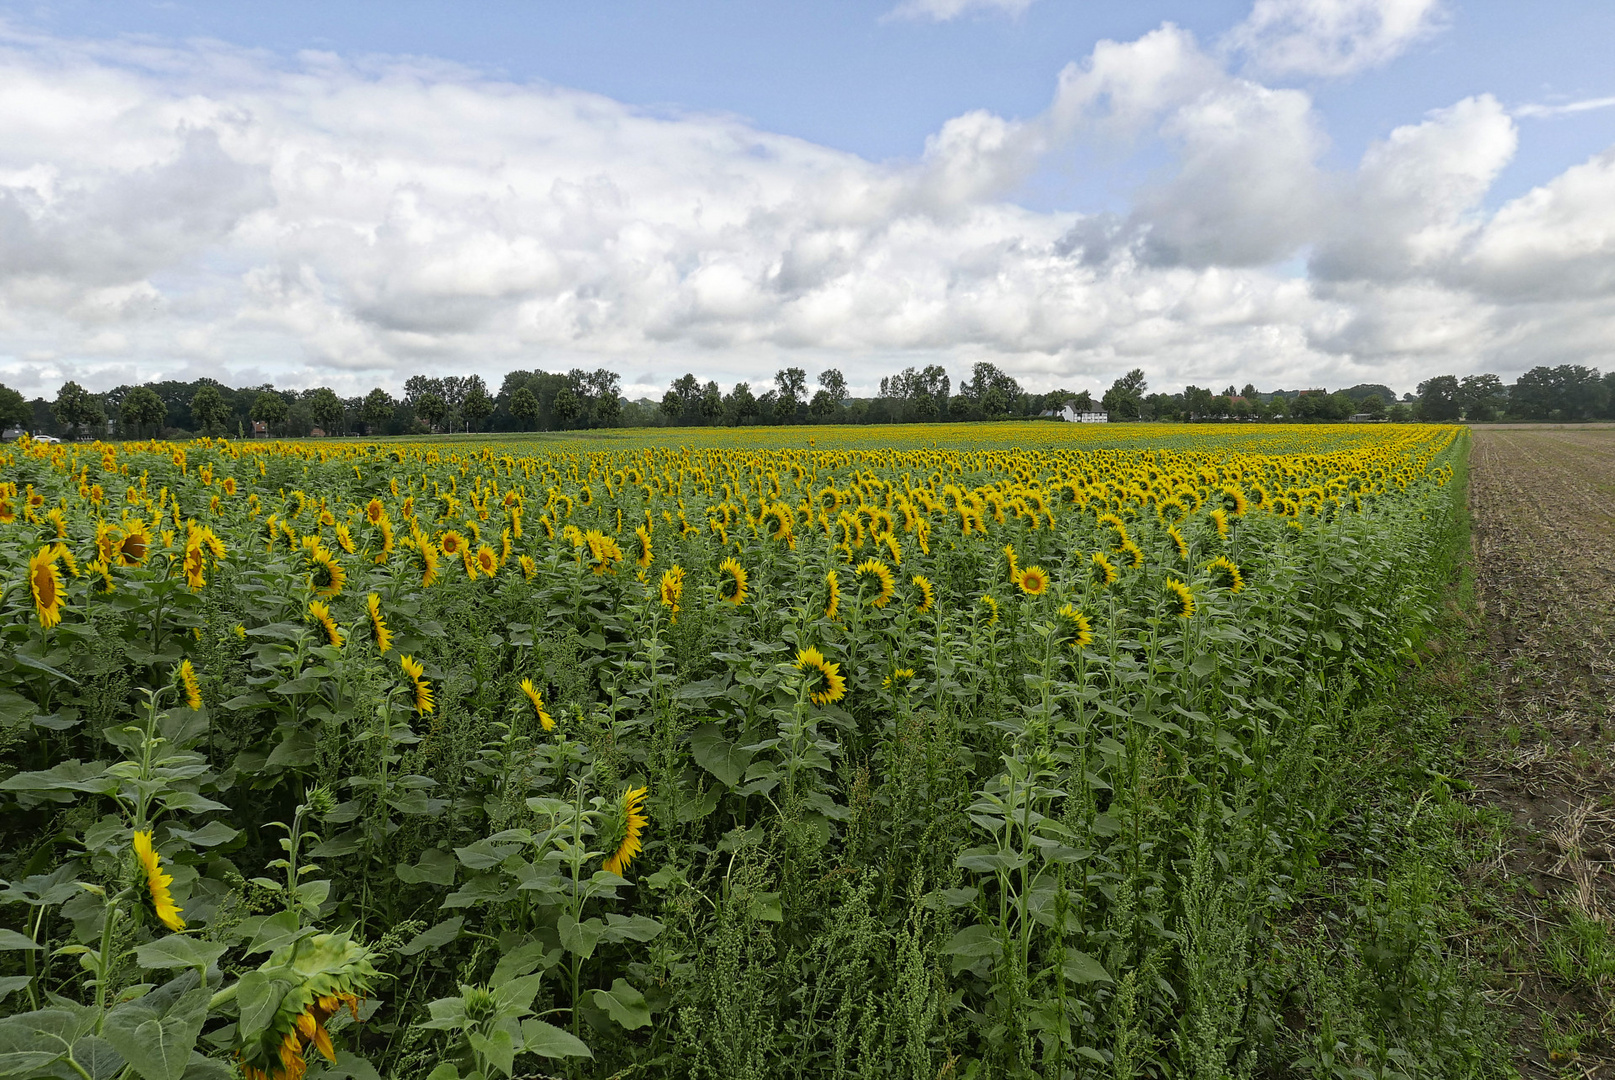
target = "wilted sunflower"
x: 882, y: 575
x: 544, y: 718
x: 927, y: 593
x: 157, y: 882
x: 327, y: 577
x: 417, y: 675
x: 1225, y: 574
x: 672, y: 591
x: 732, y: 582
x: 378, y: 625
x: 188, y: 683
x: 1034, y: 581
x: 825, y: 683
x: 630, y: 827
x: 1179, y: 593
x: 322, y: 615
x: 46, y: 584
x: 487, y: 561
x: 315, y: 977
x: 1103, y: 573
x: 832, y: 603
x: 1075, y: 624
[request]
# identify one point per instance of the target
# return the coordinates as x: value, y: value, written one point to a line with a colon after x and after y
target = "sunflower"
x: 157, y: 882
x: 378, y: 625
x: 423, y: 689
x: 1034, y: 581
x: 46, y: 584
x: 631, y: 810
x: 487, y: 561
x: 1179, y: 544
x: 1076, y: 624
x: 1132, y: 555
x: 1233, y: 501
x: 1219, y: 518
x: 1225, y: 574
x: 927, y: 593
x: 884, y: 585
x: 61, y: 553
x: 603, y: 551
x: 428, y: 552
x: 825, y: 682
x: 899, y: 678
x: 1104, y: 574
x: 187, y: 682
x: 452, y: 544
x: 195, y: 562
x: 537, y: 699
x: 1014, y: 567
x: 313, y: 978
x: 732, y: 582
x: 832, y: 603
x: 344, y: 539
x: 990, y: 602
x: 529, y: 567
x: 328, y: 577
x: 106, y: 542
x: 672, y: 591
x: 322, y: 615
x: 375, y: 512
x: 1178, y: 593
x: 101, y: 568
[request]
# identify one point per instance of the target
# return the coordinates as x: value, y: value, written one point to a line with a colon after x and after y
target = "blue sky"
x: 753, y: 113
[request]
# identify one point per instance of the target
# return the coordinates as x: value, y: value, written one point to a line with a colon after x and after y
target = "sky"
x: 1292, y: 193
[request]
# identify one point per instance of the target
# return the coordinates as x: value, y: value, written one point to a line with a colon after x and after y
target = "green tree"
x: 14, y: 410
x: 834, y: 385
x: 569, y: 407
x: 1125, y: 394
x: 739, y: 404
x: 791, y: 384
x: 477, y: 406
x: 1438, y: 398
x: 207, y: 406
x: 270, y: 408
x: 326, y: 409
x: 431, y: 407
x: 524, y: 406
x: 377, y: 409
x: 75, y: 407
x: 142, y: 408
x: 1374, y: 406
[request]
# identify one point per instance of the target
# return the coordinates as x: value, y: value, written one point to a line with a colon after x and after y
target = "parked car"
x: 46, y: 438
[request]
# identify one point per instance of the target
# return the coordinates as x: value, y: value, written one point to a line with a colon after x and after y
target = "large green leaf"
x: 158, y: 1045
x: 624, y: 1004
x: 179, y: 951
x: 547, y: 1040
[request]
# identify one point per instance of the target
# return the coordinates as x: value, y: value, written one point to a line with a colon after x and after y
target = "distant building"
x: 1069, y: 413
x: 260, y: 429
x: 316, y: 433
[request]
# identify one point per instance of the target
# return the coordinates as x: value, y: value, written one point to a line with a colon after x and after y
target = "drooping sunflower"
x: 672, y: 591
x: 378, y: 625
x: 732, y: 582
x: 188, y: 683
x: 487, y: 561
x: 630, y: 827
x: 1225, y: 574
x: 417, y: 675
x: 1078, y: 631
x: 537, y: 699
x: 825, y: 682
x: 1180, y: 594
x: 1179, y: 544
x: 990, y: 602
x: 885, y: 586
x: 1103, y: 573
x: 315, y: 977
x: 157, y: 882
x: 1034, y: 581
x: 322, y: 615
x: 46, y: 585
x: 327, y: 577
x: 927, y: 591
x: 832, y: 603
x: 1014, y: 567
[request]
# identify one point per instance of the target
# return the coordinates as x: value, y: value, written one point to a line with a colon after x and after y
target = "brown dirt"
x: 1540, y: 740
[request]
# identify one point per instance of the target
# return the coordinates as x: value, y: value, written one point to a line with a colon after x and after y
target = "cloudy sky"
x: 1285, y: 192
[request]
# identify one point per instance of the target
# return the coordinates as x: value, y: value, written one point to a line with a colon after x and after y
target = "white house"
x: 1070, y: 413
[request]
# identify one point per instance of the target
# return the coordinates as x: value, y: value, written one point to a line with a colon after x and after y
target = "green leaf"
x: 547, y: 1040
x: 435, y: 867
x: 1203, y: 665
x: 433, y: 938
x: 624, y: 1004
x: 499, y: 1048
x: 258, y: 996
x: 631, y: 928
x: 1079, y: 967
x: 158, y: 1046
x: 10, y: 984
x: 10, y: 940
x: 765, y: 907
x: 212, y: 834
x: 580, y: 938
x: 179, y: 951
x: 98, y: 1057
x: 974, y: 943
x: 717, y: 755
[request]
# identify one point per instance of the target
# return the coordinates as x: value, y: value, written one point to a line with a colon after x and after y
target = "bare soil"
x: 1539, y: 742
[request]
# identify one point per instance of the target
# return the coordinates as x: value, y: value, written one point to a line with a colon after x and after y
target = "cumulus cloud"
x: 171, y: 212
x: 1330, y: 37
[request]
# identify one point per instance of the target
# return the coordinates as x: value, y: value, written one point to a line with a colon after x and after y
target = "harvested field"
x: 1543, y: 508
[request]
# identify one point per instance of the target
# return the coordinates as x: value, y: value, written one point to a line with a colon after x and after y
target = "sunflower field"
x: 901, y: 758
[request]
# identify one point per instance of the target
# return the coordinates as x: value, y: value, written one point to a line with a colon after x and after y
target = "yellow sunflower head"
x: 926, y: 599
x: 188, y: 684
x: 1102, y: 573
x: 322, y: 615
x: 732, y: 582
x: 1225, y: 574
x: 630, y: 827
x: 825, y: 683
x: 1033, y: 581
x: 1076, y: 629
x: 157, y: 882
x: 1179, y: 594
x: 832, y: 603
x: 878, y: 573
x: 378, y: 624
x: 416, y: 672
x: 537, y: 700
x: 46, y: 586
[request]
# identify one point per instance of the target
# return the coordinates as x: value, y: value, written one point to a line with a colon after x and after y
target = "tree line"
x: 577, y: 399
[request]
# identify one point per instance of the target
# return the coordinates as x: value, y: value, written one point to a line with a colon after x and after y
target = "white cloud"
x: 1566, y: 108
x: 201, y: 210
x: 1331, y: 37
x: 947, y: 10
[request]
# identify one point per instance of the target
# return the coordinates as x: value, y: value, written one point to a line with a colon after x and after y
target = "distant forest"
x: 577, y: 399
